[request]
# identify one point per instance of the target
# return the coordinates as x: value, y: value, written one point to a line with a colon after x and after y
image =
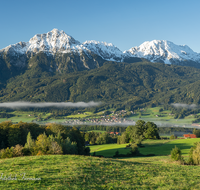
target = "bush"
x: 87, y: 151
x: 134, y: 149
x: 176, y: 154
x: 116, y: 154
x: 55, y: 148
x: 17, y: 150
x: 194, y: 155
x: 27, y: 151
x: 172, y: 137
x: 69, y: 147
x: 7, y: 153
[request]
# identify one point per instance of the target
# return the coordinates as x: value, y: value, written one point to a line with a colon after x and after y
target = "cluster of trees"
x: 181, y: 112
x: 193, y: 158
x: 99, y: 138
x: 196, y: 132
x: 33, y: 139
x: 119, y: 129
x: 174, y: 130
x: 136, y: 133
x: 6, y: 115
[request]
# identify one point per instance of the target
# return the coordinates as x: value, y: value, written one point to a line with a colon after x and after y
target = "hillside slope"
x: 126, y: 84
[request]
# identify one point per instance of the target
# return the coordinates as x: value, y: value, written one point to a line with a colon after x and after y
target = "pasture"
x: 157, y: 147
x: 88, y: 172
x: 163, y: 118
x: 85, y: 172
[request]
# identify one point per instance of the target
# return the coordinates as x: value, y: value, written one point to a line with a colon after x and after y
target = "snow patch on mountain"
x: 163, y: 50
x: 52, y: 42
x: 106, y: 50
x: 57, y: 41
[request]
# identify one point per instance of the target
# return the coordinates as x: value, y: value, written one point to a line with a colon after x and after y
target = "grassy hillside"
x: 79, y: 172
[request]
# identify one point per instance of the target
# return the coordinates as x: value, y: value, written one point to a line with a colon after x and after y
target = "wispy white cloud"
x: 179, y: 105
x: 21, y: 104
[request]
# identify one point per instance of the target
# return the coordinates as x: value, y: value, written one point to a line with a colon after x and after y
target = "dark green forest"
x: 118, y: 85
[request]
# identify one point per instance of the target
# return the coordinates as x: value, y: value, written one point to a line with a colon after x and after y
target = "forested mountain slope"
x: 120, y: 84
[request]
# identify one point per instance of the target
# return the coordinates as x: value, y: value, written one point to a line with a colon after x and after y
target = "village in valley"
x: 112, y: 119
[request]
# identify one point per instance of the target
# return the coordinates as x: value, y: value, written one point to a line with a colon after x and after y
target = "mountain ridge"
x: 56, y: 41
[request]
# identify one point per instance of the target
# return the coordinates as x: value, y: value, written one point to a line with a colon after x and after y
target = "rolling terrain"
x: 83, y: 172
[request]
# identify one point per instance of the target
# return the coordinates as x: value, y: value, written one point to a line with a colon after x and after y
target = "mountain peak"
x: 58, y: 41
x: 163, y: 51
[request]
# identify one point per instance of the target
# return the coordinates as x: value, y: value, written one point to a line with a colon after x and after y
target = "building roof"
x: 190, y: 135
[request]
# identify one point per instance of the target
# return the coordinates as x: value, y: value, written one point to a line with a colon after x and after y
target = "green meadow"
x: 157, y: 147
x: 97, y: 131
x: 165, y: 117
x: 88, y: 172
x: 146, y: 114
x: 25, y: 116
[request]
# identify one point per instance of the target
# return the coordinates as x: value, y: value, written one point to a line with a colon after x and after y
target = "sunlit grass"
x: 157, y: 147
x: 80, y: 172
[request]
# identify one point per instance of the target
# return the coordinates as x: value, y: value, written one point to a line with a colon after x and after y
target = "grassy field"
x: 147, y: 114
x: 152, y: 114
x: 157, y: 147
x: 87, y: 172
x: 97, y: 131
x: 81, y: 172
x: 25, y: 116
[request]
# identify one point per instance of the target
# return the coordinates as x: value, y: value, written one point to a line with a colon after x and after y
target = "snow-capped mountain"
x: 106, y: 50
x: 58, y: 42
x: 164, y: 51
x: 51, y: 42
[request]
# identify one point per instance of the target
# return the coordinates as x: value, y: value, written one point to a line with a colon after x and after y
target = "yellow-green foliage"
x: 194, y: 157
x: 176, y: 154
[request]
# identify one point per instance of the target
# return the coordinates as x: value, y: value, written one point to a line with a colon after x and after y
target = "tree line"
x: 33, y: 139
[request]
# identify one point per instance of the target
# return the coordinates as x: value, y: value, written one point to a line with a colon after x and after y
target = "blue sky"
x: 125, y: 23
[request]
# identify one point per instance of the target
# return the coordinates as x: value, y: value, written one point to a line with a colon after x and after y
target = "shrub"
x: 27, y: 151
x: 69, y: 147
x: 40, y: 153
x: 17, y: 150
x: 7, y: 153
x: 172, y: 137
x: 87, y: 151
x: 134, y: 149
x: 176, y: 154
x: 116, y: 154
x: 55, y: 148
x: 94, y: 154
x: 194, y: 155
